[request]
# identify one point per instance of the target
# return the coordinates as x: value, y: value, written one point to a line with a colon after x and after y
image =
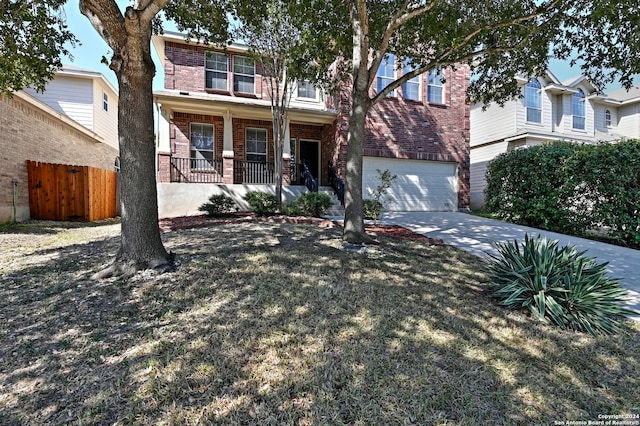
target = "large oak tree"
x: 33, y: 39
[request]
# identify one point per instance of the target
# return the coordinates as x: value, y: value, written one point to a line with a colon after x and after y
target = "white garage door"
x: 419, y: 186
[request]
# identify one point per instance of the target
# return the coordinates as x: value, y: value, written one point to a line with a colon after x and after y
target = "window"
x: 577, y: 105
x: 257, y: 145
x: 216, y: 68
x: 244, y: 71
x: 105, y: 102
x: 411, y: 89
x: 201, y: 146
x: 386, y: 72
x: 533, y: 101
x: 306, y: 90
x: 607, y: 118
x: 434, y: 86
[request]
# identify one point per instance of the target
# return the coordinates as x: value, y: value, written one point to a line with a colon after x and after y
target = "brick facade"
x: 399, y: 128
x: 396, y: 127
x: 31, y: 133
x: 184, y: 70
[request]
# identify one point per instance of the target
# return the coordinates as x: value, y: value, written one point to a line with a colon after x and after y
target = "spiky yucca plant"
x: 558, y: 284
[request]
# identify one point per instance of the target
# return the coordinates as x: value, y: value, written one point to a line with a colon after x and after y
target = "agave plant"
x: 558, y: 284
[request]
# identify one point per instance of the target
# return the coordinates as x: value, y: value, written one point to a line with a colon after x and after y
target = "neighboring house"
x: 215, y: 132
x: 549, y: 110
x: 40, y: 128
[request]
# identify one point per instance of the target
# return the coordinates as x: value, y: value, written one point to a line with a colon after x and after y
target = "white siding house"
x: 548, y: 110
x: 86, y: 97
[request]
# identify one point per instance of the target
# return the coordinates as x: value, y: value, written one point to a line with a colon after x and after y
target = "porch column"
x: 163, y: 144
x: 227, y: 149
x: 286, y: 156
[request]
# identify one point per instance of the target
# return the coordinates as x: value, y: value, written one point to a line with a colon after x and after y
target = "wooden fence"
x: 62, y: 192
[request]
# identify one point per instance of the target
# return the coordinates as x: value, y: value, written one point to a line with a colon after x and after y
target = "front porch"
x: 230, y: 171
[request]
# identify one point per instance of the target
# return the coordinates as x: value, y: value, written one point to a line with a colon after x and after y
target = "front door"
x: 310, y: 155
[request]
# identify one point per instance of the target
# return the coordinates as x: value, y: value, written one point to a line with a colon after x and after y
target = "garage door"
x: 419, y: 186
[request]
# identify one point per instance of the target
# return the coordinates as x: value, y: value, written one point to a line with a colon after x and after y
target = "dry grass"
x: 276, y: 324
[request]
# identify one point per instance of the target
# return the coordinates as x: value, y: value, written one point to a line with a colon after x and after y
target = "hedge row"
x: 570, y: 188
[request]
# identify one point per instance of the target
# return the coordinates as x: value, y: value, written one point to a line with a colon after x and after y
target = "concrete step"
x: 337, y: 209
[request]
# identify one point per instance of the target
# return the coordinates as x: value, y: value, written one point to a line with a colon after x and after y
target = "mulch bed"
x: 198, y: 221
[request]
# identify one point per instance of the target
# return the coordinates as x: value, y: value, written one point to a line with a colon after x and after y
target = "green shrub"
x: 570, y: 188
x: 556, y: 284
x: 262, y: 203
x: 372, y: 209
x: 530, y: 187
x: 313, y: 203
x: 292, y: 209
x: 218, y: 205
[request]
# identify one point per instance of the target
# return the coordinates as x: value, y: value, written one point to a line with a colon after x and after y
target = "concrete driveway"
x: 477, y: 235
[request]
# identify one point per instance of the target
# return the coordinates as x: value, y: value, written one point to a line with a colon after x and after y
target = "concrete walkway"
x: 477, y: 235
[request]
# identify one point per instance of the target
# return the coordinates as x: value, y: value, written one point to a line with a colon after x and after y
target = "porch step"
x: 336, y: 210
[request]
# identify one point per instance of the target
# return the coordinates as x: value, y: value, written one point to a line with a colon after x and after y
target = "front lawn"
x: 277, y: 324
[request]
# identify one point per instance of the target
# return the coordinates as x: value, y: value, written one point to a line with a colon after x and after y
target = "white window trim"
x: 213, y: 145
x: 105, y: 102
x: 379, y: 77
x: 306, y: 98
x: 266, y: 146
x: 253, y: 76
x: 573, y: 115
x: 526, y: 107
x: 412, y: 81
x: 441, y: 86
x: 608, y: 118
x: 215, y: 70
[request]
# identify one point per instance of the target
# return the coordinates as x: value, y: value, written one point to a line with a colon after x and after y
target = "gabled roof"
x: 71, y: 70
x: 624, y: 95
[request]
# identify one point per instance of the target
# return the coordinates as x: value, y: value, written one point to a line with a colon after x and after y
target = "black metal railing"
x: 336, y: 183
x: 196, y: 170
x: 253, y: 172
x: 309, y: 181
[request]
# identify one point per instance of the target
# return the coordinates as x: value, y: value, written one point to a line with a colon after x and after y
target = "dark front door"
x: 310, y: 155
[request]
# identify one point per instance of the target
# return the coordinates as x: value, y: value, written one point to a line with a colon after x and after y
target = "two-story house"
x: 74, y: 121
x: 549, y: 110
x: 215, y: 132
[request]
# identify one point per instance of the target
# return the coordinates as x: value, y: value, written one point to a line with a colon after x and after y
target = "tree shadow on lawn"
x: 274, y: 324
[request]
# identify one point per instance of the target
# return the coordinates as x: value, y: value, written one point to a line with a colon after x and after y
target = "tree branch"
x: 150, y: 8
x: 107, y: 19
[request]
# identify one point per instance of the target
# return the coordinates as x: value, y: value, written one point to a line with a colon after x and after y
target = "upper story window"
x: 105, y: 102
x: 201, y: 152
x: 578, y: 108
x: 244, y: 71
x: 216, y: 68
x: 533, y: 101
x: 411, y: 89
x: 607, y: 118
x: 435, y: 86
x: 386, y: 72
x: 257, y: 145
x: 306, y: 90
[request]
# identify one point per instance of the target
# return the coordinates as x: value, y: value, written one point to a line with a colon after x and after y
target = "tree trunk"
x: 360, y: 103
x: 141, y: 246
x: 353, y: 215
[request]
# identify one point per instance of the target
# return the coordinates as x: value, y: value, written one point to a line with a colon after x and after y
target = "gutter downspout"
x: 15, y: 201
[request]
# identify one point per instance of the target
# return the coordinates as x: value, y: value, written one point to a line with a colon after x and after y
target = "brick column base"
x: 164, y: 167
x: 227, y: 170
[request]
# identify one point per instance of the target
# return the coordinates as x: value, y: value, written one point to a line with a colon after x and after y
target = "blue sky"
x: 89, y: 54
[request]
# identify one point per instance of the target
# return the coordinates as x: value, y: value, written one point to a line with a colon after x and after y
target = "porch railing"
x: 253, y: 172
x: 309, y: 181
x: 336, y: 183
x: 196, y: 170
